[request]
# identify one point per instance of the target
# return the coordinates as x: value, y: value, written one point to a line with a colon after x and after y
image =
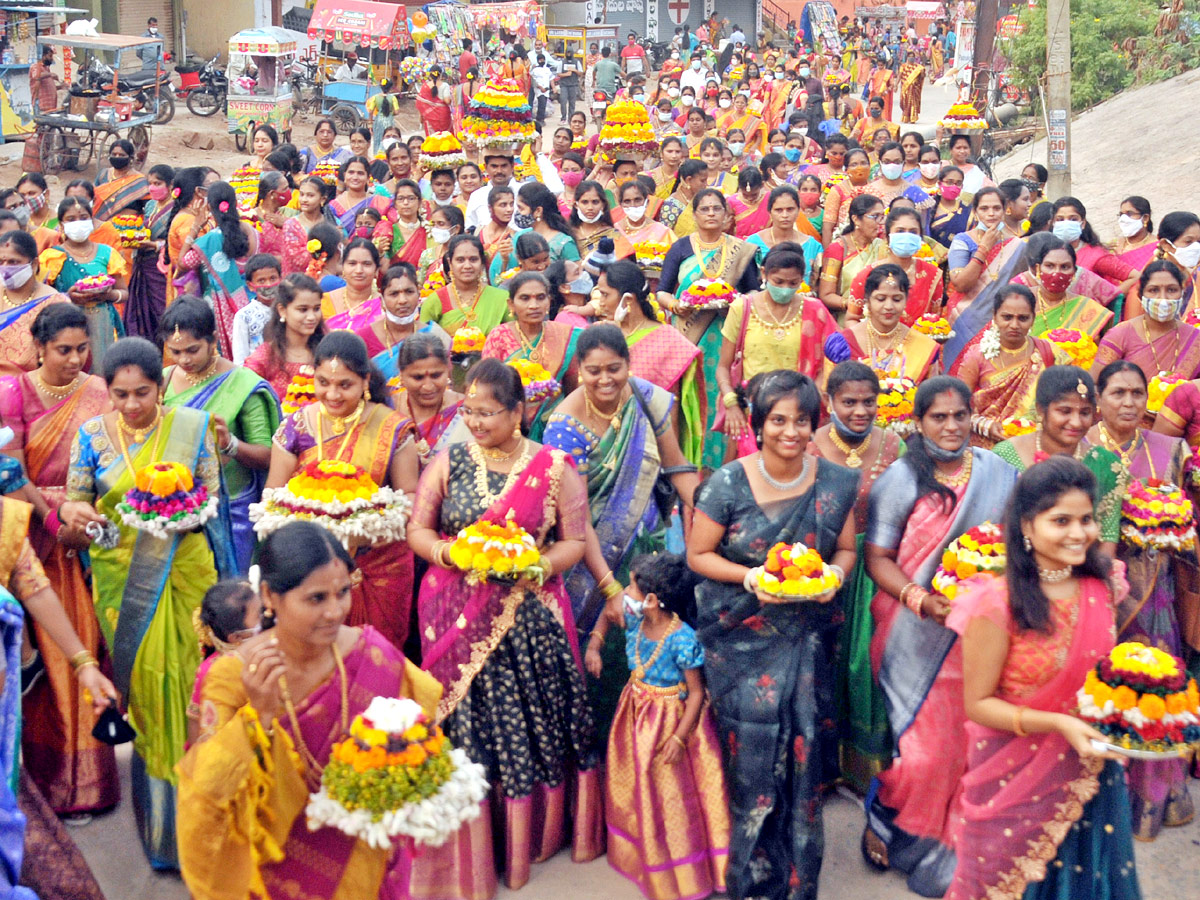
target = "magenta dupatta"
x: 1021, y: 795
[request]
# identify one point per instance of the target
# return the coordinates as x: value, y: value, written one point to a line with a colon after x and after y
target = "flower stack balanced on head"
x: 489, y: 551
x: 626, y: 133
x: 896, y: 396
x: 1160, y: 388
x: 539, y: 384
x: 301, y: 391
x: 1078, y: 346
x: 499, y: 117
x: 396, y: 775
x: 164, y: 500
x: 964, y: 117
x: 978, y: 551
x: 1142, y: 699
x: 1156, y: 515
x: 795, y: 573
x: 441, y: 150
x: 650, y: 256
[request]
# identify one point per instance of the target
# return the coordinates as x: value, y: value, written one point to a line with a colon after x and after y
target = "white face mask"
x: 621, y: 313
x: 929, y: 171
x: 1162, y: 309
x: 724, y: 104
x: 635, y: 213
x: 16, y: 276
x: 439, y: 235
x: 401, y: 320
x: 592, y: 220
x: 664, y: 116
x: 672, y: 92
x: 891, y: 171
x: 1129, y: 225
x: 79, y: 230
x: 1189, y: 256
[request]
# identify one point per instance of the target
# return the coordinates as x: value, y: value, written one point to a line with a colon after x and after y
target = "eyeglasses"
x: 876, y: 217
x: 469, y: 413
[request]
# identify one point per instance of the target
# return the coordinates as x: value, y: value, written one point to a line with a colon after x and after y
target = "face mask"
x: 876, y: 113
x: 119, y: 162
x: 801, y: 130
x: 79, y: 230
x: 362, y: 231
x: 929, y: 171
x: 592, y: 219
x: 810, y: 199
x: 1056, y: 282
x: 1068, y: 231
x: 38, y: 201
x: 640, y: 98
x: 635, y: 213
x: 724, y: 104
x: 635, y: 608
x: 780, y: 294
x: 1129, y: 225
x: 664, y: 116
x: 695, y: 65
x: 522, y: 220
x: 158, y: 192
x: 736, y: 148
x: 440, y: 235
x: 673, y: 92
x: 16, y: 276
x: 401, y: 320
x: 1189, y: 256
x: 891, y: 171
x: 791, y: 154
x: 687, y: 100
x: 845, y: 431
x: 581, y: 285
x: 572, y: 179
x: 1162, y: 309
x: 674, y: 56
x: 904, y: 243
x: 805, y: 71
x: 951, y: 191
x: 941, y: 454
x: 769, y: 76
x: 22, y: 213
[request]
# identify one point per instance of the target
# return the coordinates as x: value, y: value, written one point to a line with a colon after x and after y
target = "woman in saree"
x: 255, y: 721
x: 467, y: 299
x: 401, y: 300
x: 1157, y: 341
x: 1052, y: 267
x: 119, y: 187
x: 243, y: 408
x: 1029, y: 640
x: 311, y: 200
x: 291, y: 336
x: 637, y: 225
x: 952, y: 215
x: 620, y: 433
x: 408, y: 236
x: 1179, y: 241
x: 537, y: 208
x: 79, y: 257
x: 530, y: 335
x: 676, y: 211
x: 1159, y: 790
x: 749, y: 207
x: 783, y: 226
x: 507, y: 655
x: 857, y: 248
x: 977, y: 256
x: 322, y: 150
x: 939, y: 489
x: 842, y: 194
x: 429, y: 410
x: 270, y: 212
x: 26, y: 296
x: 767, y: 664
x: 902, y: 228
x: 357, y: 303
x: 76, y: 773
x: 853, y: 440
x: 146, y: 588
x: 1070, y: 224
x: 1137, y: 245
x: 743, y: 119
x: 591, y: 219
x: 354, y: 175
x: 497, y: 234
x: 709, y: 254
x: 187, y: 221
x: 671, y: 156
x: 890, y: 183
x: 148, y: 280
x: 444, y: 222
x: 711, y: 153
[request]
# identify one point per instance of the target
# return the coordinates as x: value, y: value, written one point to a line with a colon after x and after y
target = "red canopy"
x: 382, y: 25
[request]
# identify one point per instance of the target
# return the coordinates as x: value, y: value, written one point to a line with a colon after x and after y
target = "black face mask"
x: 119, y: 162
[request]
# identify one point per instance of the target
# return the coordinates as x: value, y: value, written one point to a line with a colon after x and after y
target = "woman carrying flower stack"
x: 352, y: 421
x: 295, y: 254
x: 322, y: 150
x: 147, y: 282
x: 1157, y: 340
x: 146, y: 587
x: 1158, y: 790
x: 506, y: 653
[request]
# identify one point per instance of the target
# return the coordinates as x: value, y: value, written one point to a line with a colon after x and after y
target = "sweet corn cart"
x: 260, y: 86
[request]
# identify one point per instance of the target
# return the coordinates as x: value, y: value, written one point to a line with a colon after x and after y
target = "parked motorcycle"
x: 138, y: 84
x: 207, y: 96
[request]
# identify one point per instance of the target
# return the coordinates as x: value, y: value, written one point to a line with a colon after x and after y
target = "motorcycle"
x: 139, y: 84
x: 208, y: 96
x: 656, y: 51
x: 600, y: 100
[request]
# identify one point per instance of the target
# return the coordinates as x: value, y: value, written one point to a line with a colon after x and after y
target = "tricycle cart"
x: 94, y: 117
x: 345, y: 102
x: 260, y: 85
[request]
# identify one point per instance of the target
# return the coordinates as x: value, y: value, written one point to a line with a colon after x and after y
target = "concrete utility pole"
x: 1058, y: 97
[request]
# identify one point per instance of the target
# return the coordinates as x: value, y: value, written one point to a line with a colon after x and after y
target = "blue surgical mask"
x: 581, y: 285
x: 804, y: 71
x: 904, y: 243
x: 791, y: 154
x: 1068, y: 230
x: 780, y: 294
x: 736, y: 147
x: 845, y: 431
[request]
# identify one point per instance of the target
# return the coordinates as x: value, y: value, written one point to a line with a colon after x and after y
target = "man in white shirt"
x: 350, y: 69
x: 737, y: 36
x: 499, y: 172
x: 694, y: 77
x: 542, y: 76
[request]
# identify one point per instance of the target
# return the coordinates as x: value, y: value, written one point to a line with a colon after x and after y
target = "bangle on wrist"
x: 82, y: 659
x: 677, y: 739
x: 231, y: 447
x: 52, y: 523
x: 1018, y: 730
x: 612, y: 589
x: 730, y: 399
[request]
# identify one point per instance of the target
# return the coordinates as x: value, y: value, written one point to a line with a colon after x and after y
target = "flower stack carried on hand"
x: 1160, y: 388
x: 539, y: 384
x: 441, y: 150
x: 896, y: 395
x: 164, y: 500
x: 795, y: 573
x: 245, y: 184
x: 327, y: 171
x: 396, y: 775
x: 499, y: 117
x: 705, y: 294
x: 1156, y: 515
x: 341, y: 497
x: 626, y: 133
x: 301, y: 391
x: 963, y: 116
x: 1018, y: 425
x: 505, y: 552
x: 934, y: 326
x: 467, y: 340
x: 132, y: 228
x: 1077, y: 345
x: 1142, y: 699
x: 978, y: 551
x: 650, y: 256
x: 94, y: 284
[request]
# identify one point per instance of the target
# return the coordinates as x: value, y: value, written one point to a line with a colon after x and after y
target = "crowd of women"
x: 637, y: 700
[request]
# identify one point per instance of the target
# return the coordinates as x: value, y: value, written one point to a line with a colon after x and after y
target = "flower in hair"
x: 176, y: 192
x: 313, y: 245
x: 223, y: 206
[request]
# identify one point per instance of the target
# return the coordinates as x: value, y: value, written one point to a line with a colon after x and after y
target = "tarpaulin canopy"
x: 924, y: 9
x: 382, y: 25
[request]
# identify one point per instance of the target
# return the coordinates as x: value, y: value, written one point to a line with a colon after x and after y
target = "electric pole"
x: 1058, y: 97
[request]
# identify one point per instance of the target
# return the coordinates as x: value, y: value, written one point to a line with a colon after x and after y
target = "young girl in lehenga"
x: 667, y: 807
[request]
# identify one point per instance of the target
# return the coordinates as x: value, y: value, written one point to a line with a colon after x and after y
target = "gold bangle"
x: 607, y: 577
x: 81, y: 659
x: 730, y: 399
x: 678, y: 740
x: 547, y: 569
x: 1017, y: 729
x: 612, y: 590
x: 86, y: 664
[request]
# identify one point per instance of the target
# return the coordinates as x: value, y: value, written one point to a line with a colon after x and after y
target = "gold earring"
x: 367, y: 393
x: 517, y: 430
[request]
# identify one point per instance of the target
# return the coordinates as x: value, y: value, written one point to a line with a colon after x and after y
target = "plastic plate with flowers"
x: 467, y: 339
x: 1078, y: 346
x: 434, y: 282
x: 704, y: 294
x: 795, y: 573
x: 341, y: 497
x: 1018, y: 425
x: 94, y: 284
x: 396, y: 775
x: 1143, y: 701
x: 934, y: 326
x: 894, y: 412
x: 489, y: 551
x: 1157, y: 515
x: 539, y: 384
x: 301, y: 391
x: 164, y: 500
x: 1160, y: 388
x: 977, y: 551
x: 327, y: 171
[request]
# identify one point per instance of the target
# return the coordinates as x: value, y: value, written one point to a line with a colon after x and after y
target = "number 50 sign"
x: 1056, y: 137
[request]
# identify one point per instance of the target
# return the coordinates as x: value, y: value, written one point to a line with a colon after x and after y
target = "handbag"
x: 735, y: 367
x: 112, y: 728
x: 665, y: 496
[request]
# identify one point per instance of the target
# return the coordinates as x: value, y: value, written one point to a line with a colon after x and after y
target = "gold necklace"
x: 639, y: 668
x: 533, y: 348
x: 12, y: 304
x: 1154, y: 353
x: 486, y: 496
x: 721, y: 259
x: 57, y: 393
x: 1126, y: 456
x: 203, y: 376
x: 1045, y: 308
x: 467, y: 311
x: 778, y: 327
x: 1019, y: 350
x: 614, y: 419
x: 339, y: 424
x: 313, y: 767
x: 854, y: 455
x: 960, y: 477
x: 497, y: 454
x: 139, y: 435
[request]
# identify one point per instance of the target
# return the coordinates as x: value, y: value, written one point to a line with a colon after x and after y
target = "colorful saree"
x: 408, y: 248
x: 1085, y: 284
x: 1021, y: 835
x: 251, y: 412
x: 383, y: 598
x: 765, y: 346
x: 344, y: 213
x: 962, y: 248
x: 1003, y: 388
x: 915, y: 357
x: 945, y: 225
x: 844, y: 260
x: 508, y: 659
x: 1079, y: 313
x: 72, y: 770
x: 61, y: 271
x: 145, y: 591
x: 114, y: 194
x: 1176, y: 352
x: 148, y: 282
x: 489, y: 310
x: 771, y: 677
x: 311, y: 157
x: 659, y: 354
x: 265, y: 362
x: 18, y: 353
x: 924, y: 293
x: 242, y: 792
x: 913, y: 807
x: 1181, y: 410
x: 12, y: 822
x: 340, y: 315
x: 222, y: 286
x: 386, y: 357
x: 553, y: 350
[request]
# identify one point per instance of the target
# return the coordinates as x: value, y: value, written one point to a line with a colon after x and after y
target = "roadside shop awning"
x: 378, y: 25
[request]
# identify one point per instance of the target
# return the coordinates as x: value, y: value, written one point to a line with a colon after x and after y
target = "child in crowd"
x: 366, y: 220
x: 263, y: 274
x: 230, y: 613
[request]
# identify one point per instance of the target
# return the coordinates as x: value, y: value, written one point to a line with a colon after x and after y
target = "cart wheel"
x: 104, y: 142
x: 239, y: 140
x: 52, y: 149
x: 166, y: 108
x: 345, y: 117
x: 139, y: 136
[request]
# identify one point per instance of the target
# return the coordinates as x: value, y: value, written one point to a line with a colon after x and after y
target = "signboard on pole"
x: 1056, y: 137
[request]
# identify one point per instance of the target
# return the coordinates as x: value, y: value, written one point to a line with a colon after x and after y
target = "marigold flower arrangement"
x: 434, y: 282
x: 650, y: 254
x: 978, y: 551
x: 499, y: 115
x: 1142, y: 699
x: 245, y: 184
x: 1160, y: 388
x: 1157, y: 515
x: 1077, y: 345
x: 94, y: 284
x: 164, y: 500
x: 132, y: 229
x: 705, y: 293
x: 301, y: 391
x: 896, y: 395
x: 489, y: 550
x: 442, y: 150
x: 339, y: 496
x: 467, y: 339
x: 964, y: 116
x: 626, y: 132
x: 1018, y: 425
x: 934, y: 326
x: 396, y: 775
x: 539, y: 384
x: 795, y: 572
x: 327, y: 171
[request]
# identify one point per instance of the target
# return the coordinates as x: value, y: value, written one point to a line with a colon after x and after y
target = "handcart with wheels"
x: 260, y: 84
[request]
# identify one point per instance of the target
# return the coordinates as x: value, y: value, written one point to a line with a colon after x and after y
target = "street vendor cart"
x: 260, y: 85
x: 97, y: 112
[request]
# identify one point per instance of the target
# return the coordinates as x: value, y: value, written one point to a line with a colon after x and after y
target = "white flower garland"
x: 162, y: 527
x: 989, y: 343
x: 380, y: 519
